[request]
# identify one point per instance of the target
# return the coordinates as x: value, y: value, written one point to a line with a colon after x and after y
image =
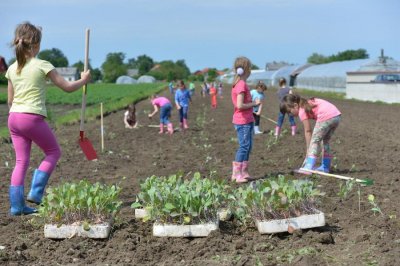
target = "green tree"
x: 316, y: 58
x: 113, y: 67
x: 54, y: 56
x: 212, y: 74
x: 350, y: 55
x: 254, y: 67
x: 340, y: 56
x: 132, y: 63
x: 169, y: 70
x: 183, y: 68
x: 144, y: 63
x: 95, y: 73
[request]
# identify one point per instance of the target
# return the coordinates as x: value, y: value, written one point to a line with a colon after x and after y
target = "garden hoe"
x: 269, y: 119
x: 84, y: 142
x: 366, y: 182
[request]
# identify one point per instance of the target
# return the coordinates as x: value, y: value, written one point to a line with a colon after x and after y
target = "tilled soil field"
x: 366, y: 145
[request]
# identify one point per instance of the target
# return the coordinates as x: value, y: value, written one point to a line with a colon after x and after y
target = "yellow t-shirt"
x: 29, y: 86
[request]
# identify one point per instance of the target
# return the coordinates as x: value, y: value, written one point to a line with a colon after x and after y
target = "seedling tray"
x: 140, y: 213
x: 171, y: 230
x: 69, y: 231
x: 296, y: 223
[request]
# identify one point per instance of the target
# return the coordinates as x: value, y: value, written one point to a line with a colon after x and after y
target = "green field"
x: 114, y: 97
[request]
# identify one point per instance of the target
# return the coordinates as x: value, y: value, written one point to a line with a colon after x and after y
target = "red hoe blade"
x: 84, y: 142
x: 87, y: 147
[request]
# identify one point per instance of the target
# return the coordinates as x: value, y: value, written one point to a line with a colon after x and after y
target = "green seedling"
x: 345, y: 189
x: 177, y: 200
x: 375, y: 208
x: 79, y: 202
x: 274, y: 198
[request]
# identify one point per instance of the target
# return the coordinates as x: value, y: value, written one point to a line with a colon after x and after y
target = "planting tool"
x: 84, y: 142
x: 366, y: 182
x: 269, y: 119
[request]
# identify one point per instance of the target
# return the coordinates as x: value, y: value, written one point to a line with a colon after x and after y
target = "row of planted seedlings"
x: 182, y: 207
x: 193, y: 207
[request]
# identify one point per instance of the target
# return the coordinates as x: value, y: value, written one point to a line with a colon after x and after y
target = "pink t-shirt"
x: 160, y: 101
x: 244, y: 116
x: 322, y: 111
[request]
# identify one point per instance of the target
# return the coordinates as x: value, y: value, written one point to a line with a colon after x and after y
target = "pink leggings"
x: 25, y: 128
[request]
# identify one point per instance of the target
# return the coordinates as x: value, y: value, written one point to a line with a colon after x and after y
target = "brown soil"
x: 366, y: 145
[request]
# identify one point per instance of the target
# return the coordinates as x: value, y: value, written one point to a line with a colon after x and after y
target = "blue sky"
x: 207, y: 33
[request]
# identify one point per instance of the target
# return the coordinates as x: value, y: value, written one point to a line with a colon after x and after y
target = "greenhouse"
x: 260, y: 75
x: 125, y: 80
x: 328, y: 77
x: 146, y: 79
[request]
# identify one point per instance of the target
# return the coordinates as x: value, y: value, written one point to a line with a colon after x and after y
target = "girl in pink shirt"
x: 243, y: 119
x: 327, y: 118
x: 165, y: 107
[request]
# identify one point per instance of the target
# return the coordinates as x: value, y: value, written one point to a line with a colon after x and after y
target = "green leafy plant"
x: 180, y: 201
x: 375, y: 208
x: 81, y: 202
x: 274, y: 198
x: 345, y: 189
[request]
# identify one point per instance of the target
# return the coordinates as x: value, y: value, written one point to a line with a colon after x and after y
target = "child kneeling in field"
x: 130, y: 117
x: 327, y: 118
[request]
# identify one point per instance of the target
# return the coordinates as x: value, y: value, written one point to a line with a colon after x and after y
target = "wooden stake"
x: 102, y: 127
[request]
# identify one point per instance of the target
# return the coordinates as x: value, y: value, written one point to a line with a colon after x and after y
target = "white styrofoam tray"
x: 69, y: 231
x: 171, y: 230
x: 282, y: 225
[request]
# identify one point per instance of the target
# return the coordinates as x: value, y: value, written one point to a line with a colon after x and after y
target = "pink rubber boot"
x: 236, y: 170
x: 294, y: 130
x: 245, y: 170
x: 170, y: 128
x: 277, y: 131
x: 161, y: 129
x: 185, y: 124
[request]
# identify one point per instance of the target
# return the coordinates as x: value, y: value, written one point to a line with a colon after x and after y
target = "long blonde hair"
x: 245, y: 64
x: 27, y: 37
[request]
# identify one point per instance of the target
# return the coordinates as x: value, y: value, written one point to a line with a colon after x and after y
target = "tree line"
x: 115, y: 65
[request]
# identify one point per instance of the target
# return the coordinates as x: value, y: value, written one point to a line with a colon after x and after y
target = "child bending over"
x: 327, y: 118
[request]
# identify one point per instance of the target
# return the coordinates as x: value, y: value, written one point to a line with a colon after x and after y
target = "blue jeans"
x: 245, y: 138
x: 281, y: 118
x: 165, y: 113
x: 183, y: 113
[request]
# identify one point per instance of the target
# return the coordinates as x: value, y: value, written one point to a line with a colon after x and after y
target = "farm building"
x: 375, y: 81
x: 68, y: 73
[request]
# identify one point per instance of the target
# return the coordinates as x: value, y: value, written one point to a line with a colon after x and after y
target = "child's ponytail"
x: 241, y: 66
x: 20, y: 54
x: 27, y: 37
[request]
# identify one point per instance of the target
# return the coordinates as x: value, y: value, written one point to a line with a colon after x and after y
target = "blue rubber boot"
x: 326, y: 165
x: 39, y: 182
x: 17, y: 202
x: 309, y: 165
